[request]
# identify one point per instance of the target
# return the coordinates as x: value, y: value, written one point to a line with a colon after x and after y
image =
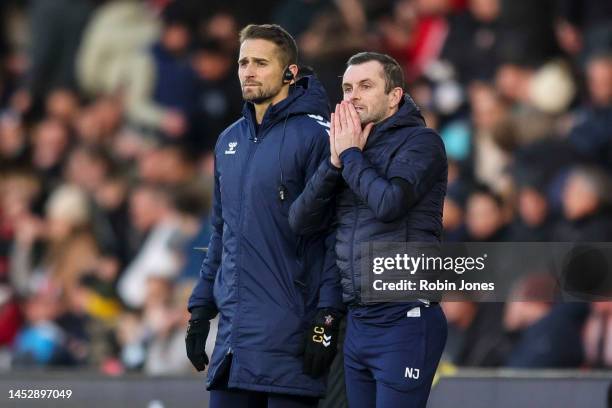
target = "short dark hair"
x: 393, y: 73
x: 276, y: 34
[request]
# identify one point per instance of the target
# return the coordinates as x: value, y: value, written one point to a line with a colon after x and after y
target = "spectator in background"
x: 117, y: 31
x: 472, y: 44
x: 334, y: 35
x: 41, y: 341
x: 131, y: 337
x: 476, y: 335
x: 218, y: 95
x: 590, y: 134
x: 50, y: 144
x: 587, y: 203
x: 111, y: 214
x: 489, y: 113
x: 192, y: 203
x: 583, y: 26
x: 151, y: 214
x: 453, y: 220
x: 13, y: 140
x: 70, y: 248
x: 168, y: 164
x: 87, y: 167
x: 167, y: 321
x: 56, y: 28
x: 420, y: 41
x: 527, y: 34
x: 62, y: 104
x: 538, y: 323
x: 10, y: 317
x: 534, y: 221
x: 162, y: 93
x: 486, y: 216
x: 222, y: 26
x: 19, y: 189
x: 99, y: 121
x: 598, y: 335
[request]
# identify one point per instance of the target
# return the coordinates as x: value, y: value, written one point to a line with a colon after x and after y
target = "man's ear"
x: 395, y: 97
x: 294, y: 70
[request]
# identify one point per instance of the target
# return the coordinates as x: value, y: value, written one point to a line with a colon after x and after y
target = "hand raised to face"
x: 346, y: 128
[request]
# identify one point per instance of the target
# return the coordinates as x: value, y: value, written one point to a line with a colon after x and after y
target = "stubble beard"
x: 368, y: 117
x: 260, y: 95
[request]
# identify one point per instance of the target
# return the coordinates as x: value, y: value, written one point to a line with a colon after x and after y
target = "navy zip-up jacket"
x: 393, y: 191
x: 266, y: 281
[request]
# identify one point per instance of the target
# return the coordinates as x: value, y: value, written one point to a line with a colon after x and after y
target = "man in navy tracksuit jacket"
x: 385, y: 181
x: 265, y: 282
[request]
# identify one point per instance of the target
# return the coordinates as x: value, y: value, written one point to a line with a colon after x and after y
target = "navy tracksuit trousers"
x: 391, y: 353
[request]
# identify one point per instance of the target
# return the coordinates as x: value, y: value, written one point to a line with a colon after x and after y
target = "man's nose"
x: 351, y: 96
x: 249, y: 71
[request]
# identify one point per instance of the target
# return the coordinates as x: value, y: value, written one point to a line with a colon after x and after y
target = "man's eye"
x: 366, y: 86
x: 347, y: 90
x: 261, y: 64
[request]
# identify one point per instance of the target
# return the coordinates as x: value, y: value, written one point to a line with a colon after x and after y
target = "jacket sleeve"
x: 412, y: 173
x: 330, y: 290
x: 312, y: 210
x: 202, y: 295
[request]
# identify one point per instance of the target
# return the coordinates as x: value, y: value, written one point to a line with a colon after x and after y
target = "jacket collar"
x: 407, y: 115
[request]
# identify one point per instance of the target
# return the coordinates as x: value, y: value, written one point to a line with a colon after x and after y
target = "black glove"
x: 197, y: 333
x: 322, y: 342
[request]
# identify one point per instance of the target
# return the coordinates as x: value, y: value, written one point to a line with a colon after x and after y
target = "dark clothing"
x: 472, y: 48
x: 539, y: 345
x: 368, y: 206
x: 591, y: 136
x: 392, y: 191
x: 217, y: 104
x: 594, y: 228
x: 175, y: 81
x: 484, y: 343
x: 521, y: 232
x: 265, y: 281
x: 392, y: 364
x: 526, y: 32
x: 56, y: 29
x: 585, y: 13
x: 335, y: 396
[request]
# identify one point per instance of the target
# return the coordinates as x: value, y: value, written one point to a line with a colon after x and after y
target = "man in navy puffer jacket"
x: 385, y: 181
x: 265, y: 282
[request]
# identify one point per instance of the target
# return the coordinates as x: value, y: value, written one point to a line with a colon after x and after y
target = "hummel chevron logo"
x: 326, y: 340
x: 231, y: 148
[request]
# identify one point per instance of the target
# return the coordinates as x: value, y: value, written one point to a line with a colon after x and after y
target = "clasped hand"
x: 346, y: 132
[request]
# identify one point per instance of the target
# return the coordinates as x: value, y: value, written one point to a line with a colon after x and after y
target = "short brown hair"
x: 276, y: 34
x: 394, y: 76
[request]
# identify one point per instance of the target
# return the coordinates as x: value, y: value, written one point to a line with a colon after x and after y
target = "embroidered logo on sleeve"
x: 231, y: 148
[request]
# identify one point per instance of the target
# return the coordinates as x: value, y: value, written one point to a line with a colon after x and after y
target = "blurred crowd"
x: 109, y: 111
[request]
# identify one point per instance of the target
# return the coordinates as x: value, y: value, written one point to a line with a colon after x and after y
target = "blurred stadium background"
x: 109, y: 111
